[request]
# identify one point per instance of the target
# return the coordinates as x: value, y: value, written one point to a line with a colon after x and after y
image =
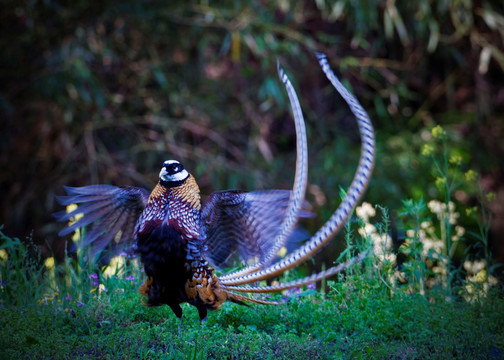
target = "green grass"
x: 358, y: 318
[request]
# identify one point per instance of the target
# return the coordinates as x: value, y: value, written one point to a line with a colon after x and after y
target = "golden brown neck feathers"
x: 190, y: 192
x: 187, y: 191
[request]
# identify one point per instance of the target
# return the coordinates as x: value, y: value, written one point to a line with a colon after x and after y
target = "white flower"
x: 432, y: 244
x: 460, y: 231
x: 367, y: 230
x: 437, y: 207
x: 440, y: 270
x: 453, y: 218
x: 365, y: 211
x: 382, y: 243
x: 474, y: 267
x: 410, y: 233
x: 492, y: 280
x: 425, y: 225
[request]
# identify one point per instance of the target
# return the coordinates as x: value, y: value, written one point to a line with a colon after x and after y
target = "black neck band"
x: 170, y: 184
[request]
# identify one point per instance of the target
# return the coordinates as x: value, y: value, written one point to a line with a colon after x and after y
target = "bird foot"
x: 203, y: 321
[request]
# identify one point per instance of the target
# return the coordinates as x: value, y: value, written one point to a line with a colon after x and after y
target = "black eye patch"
x: 175, y: 168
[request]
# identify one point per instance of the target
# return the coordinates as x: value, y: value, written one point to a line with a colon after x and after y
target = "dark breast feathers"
x: 171, y: 243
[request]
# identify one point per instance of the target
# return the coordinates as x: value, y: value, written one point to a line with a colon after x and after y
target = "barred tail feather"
x: 296, y: 201
x: 300, y: 282
x: 243, y: 300
x: 342, y: 213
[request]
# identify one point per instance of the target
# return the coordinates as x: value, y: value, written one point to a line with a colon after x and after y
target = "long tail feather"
x: 342, y: 213
x: 300, y: 182
x: 300, y: 282
x: 238, y: 298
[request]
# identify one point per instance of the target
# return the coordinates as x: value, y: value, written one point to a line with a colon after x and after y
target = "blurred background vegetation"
x: 103, y: 92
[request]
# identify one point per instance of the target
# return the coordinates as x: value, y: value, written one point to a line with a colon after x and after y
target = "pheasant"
x: 180, y: 239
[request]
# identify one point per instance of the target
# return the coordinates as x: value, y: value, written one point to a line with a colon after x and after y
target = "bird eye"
x: 174, y: 168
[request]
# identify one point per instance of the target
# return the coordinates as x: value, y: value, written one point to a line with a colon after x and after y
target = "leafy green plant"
x: 21, y: 271
x: 415, y: 267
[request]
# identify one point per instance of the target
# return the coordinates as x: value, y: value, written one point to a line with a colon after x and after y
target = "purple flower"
x: 129, y: 253
x: 130, y: 278
x: 311, y: 286
x: 68, y: 298
x: 79, y: 304
x: 94, y: 279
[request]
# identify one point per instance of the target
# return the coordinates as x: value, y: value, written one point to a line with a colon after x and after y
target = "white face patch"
x: 173, y: 171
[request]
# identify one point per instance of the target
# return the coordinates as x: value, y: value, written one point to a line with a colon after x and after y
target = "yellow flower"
x: 480, y: 277
x: 116, y: 267
x: 3, y: 255
x: 440, y: 182
x: 102, y: 288
x: 491, y: 196
x: 69, y: 209
x: 438, y: 132
x: 471, y: 175
x: 455, y: 159
x: 49, y: 263
x: 471, y: 211
x: 427, y: 149
x: 76, y: 217
x: 470, y: 289
x: 282, y: 251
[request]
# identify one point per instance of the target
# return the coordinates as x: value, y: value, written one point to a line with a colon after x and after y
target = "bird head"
x: 172, y: 173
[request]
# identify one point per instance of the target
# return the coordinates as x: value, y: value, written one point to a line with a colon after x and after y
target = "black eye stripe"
x: 174, y: 168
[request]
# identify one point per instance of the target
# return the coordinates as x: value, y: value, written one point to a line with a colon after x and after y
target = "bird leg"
x: 202, y: 311
x: 178, y: 312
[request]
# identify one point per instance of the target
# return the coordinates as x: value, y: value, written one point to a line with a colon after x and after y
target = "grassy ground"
x: 357, y: 318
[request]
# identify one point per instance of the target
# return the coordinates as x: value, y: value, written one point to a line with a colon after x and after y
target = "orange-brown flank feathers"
x: 144, y: 288
x: 204, y: 288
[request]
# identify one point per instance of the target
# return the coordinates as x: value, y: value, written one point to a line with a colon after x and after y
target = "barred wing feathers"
x: 244, y: 224
x: 111, y: 211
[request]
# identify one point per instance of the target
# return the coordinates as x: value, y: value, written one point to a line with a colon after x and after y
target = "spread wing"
x: 244, y: 224
x: 111, y: 211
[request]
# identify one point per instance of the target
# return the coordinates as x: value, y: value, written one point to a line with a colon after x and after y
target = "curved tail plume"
x: 300, y: 181
x: 339, y: 217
